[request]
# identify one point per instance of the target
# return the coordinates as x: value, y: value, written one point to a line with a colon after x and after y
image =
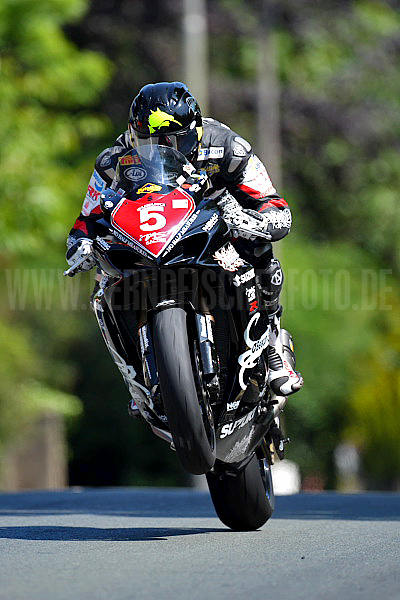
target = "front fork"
x: 208, y: 355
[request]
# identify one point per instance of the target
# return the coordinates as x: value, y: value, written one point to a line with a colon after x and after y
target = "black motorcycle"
x: 179, y: 311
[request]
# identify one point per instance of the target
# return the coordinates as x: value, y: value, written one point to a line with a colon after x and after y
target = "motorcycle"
x: 181, y: 315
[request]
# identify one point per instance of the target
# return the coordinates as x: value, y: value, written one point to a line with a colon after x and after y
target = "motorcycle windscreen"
x: 151, y: 167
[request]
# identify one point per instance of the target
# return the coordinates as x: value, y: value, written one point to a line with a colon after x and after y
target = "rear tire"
x: 186, y: 419
x: 243, y: 500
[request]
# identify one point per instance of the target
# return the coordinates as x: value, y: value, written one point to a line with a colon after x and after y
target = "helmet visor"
x: 184, y: 140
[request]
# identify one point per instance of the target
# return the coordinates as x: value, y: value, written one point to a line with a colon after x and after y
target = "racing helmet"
x: 166, y: 114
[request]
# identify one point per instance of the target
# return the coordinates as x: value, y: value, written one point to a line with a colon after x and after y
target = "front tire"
x: 186, y: 419
x: 243, y: 499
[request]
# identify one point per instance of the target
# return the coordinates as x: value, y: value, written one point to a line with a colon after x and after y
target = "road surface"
x: 123, y: 544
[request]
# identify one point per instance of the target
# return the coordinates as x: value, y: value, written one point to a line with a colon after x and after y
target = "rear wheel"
x: 189, y: 419
x: 244, y: 499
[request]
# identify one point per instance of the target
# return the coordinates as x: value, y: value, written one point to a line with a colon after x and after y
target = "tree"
x: 48, y: 88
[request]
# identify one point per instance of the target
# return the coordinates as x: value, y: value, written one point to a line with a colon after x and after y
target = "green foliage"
x: 375, y: 402
x: 47, y: 90
x: 23, y: 394
x: 332, y: 297
x: 342, y: 124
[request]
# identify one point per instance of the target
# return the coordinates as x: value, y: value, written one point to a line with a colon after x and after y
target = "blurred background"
x: 315, y: 87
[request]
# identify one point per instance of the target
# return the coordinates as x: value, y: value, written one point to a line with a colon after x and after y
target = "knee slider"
x: 271, y: 278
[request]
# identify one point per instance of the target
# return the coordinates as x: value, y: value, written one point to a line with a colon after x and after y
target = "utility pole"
x: 268, y: 95
x: 195, y: 50
x: 268, y: 112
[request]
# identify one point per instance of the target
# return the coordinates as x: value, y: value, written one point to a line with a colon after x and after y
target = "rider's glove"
x: 260, y: 221
x: 246, y: 223
x: 80, y: 256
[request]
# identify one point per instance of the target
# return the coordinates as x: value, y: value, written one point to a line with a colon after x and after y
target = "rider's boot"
x: 282, y: 377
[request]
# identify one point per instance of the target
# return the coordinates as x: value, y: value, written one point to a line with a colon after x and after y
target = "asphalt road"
x: 148, y: 543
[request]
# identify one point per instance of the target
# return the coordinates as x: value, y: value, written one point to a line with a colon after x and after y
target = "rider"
x: 170, y: 115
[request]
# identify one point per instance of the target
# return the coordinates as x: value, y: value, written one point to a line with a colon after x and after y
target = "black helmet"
x: 166, y: 114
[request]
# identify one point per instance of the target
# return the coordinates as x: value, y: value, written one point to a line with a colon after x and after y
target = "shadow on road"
x: 87, y: 534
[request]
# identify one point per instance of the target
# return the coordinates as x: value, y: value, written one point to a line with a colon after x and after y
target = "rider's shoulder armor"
x: 107, y: 161
x: 223, y: 154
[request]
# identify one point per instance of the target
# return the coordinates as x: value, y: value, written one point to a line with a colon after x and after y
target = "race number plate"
x: 153, y: 220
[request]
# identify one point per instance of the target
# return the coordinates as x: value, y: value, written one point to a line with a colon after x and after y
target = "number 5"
x: 146, y: 214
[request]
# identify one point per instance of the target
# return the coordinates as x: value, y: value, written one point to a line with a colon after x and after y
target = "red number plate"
x: 152, y: 221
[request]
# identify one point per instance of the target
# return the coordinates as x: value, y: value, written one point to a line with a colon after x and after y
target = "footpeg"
x: 279, y: 441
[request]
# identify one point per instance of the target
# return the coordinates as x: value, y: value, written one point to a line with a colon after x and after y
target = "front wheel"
x: 243, y: 499
x: 189, y: 422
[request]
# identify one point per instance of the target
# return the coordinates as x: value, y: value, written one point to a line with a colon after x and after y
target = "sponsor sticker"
x: 102, y: 243
x: 255, y: 163
x: 232, y: 405
x: 92, y: 198
x: 253, y: 306
x: 154, y: 206
x: 147, y: 188
x: 188, y: 169
x: 129, y: 159
x: 180, y: 203
x: 248, y: 359
x: 127, y: 242
x: 228, y: 258
x: 135, y: 173
x: 251, y: 294
x: 229, y: 428
x: 154, y: 238
x: 105, y: 161
x: 216, y: 152
x: 213, y: 152
x: 98, y: 182
x: 212, y: 169
x: 93, y: 193
x: 211, y: 222
x: 244, y: 278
